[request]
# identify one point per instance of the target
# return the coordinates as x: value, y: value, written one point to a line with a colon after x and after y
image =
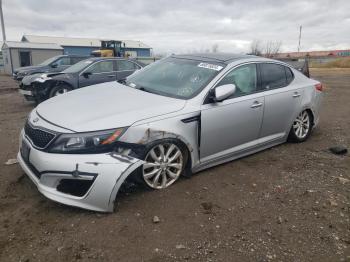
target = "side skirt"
x: 237, y: 154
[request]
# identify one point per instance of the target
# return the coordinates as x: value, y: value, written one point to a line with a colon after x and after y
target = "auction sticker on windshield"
x: 210, y: 66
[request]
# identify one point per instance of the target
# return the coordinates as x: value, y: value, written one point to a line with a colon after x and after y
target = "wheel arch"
x: 312, y: 115
x: 54, y: 83
x: 147, y: 136
x: 60, y: 82
x: 182, y: 142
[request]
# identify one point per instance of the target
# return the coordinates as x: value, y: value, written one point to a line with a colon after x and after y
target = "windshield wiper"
x: 132, y: 85
x: 147, y: 90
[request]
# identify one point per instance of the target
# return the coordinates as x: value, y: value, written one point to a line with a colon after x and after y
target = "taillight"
x: 319, y: 87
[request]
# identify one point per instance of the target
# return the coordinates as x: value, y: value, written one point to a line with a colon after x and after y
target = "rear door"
x: 99, y: 72
x: 282, y: 100
x: 125, y: 68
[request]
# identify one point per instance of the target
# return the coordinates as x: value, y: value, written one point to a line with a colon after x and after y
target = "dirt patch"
x: 288, y: 203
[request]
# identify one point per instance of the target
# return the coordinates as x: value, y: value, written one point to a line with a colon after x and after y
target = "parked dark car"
x: 39, y: 87
x: 53, y: 64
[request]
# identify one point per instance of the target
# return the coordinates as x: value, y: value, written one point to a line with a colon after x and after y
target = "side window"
x: 74, y: 60
x: 272, y: 76
x: 63, y: 61
x: 244, y: 77
x: 102, y: 67
x: 289, y: 75
x: 124, y: 65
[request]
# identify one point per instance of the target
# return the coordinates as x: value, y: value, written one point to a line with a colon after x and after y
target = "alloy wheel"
x: 301, y: 125
x: 163, y: 165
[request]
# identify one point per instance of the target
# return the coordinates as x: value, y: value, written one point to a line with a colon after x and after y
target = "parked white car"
x: 175, y: 117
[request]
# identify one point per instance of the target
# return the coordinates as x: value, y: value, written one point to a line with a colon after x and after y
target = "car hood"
x: 105, y: 106
x: 27, y: 68
x: 27, y: 80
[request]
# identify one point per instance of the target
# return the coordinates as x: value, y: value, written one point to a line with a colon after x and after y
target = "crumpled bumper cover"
x: 106, y: 173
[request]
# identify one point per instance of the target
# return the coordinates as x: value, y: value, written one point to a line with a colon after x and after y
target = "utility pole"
x: 2, y: 23
x: 299, y: 38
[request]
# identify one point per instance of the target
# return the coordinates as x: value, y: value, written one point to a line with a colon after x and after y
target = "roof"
x: 77, y: 41
x: 63, y: 41
x: 135, y: 44
x: 92, y: 58
x: 216, y: 57
x: 13, y: 44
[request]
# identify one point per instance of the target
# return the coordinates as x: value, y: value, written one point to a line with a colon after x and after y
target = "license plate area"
x: 25, y: 151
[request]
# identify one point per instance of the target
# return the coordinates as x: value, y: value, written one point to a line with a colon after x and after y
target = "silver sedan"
x: 174, y: 117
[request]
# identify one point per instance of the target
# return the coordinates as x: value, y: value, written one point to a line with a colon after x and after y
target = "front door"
x: 282, y: 100
x: 232, y: 125
x: 24, y: 58
x: 99, y: 72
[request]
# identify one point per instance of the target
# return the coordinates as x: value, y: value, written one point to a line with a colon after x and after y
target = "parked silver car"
x: 175, y: 117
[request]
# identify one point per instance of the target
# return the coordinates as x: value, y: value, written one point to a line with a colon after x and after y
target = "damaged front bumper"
x: 89, y: 181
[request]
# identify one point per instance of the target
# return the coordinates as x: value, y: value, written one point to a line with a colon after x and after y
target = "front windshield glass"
x: 175, y: 77
x: 49, y: 61
x: 78, y: 66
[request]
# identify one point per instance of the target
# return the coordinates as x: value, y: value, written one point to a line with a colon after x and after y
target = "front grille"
x: 40, y: 138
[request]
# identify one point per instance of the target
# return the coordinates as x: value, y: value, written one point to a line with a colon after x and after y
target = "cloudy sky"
x: 187, y: 25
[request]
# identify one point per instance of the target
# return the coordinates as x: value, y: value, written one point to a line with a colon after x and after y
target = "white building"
x: 18, y: 54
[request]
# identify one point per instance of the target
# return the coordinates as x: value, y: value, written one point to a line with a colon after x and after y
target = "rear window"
x: 272, y: 76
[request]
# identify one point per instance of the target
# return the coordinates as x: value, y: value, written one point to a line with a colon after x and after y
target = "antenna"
x: 2, y: 23
x: 299, y: 38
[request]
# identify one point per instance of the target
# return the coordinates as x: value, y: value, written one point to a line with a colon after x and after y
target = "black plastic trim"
x: 191, y: 119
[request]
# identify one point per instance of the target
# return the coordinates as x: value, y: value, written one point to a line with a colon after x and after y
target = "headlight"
x: 91, y: 142
x: 42, y: 78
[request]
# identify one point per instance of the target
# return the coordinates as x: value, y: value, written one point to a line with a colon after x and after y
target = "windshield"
x: 78, y: 66
x: 49, y: 61
x: 174, y: 77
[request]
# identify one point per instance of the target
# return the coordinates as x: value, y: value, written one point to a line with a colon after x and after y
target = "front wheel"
x: 59, y: 90
x: 164, y: 163
x: 301, y: 127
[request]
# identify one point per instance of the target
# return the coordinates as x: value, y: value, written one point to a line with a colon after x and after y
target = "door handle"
x: 256, y: 104
x: 296, y: 94
x: 111, y: 75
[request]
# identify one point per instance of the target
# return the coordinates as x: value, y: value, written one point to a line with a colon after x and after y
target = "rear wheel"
x: 301, y: 127
x: 59, y: 90
x: 164, y: 163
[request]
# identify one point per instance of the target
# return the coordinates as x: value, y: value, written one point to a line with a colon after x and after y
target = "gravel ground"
x: 288, y: 203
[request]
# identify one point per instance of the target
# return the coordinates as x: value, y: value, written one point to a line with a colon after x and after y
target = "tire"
x: 165, y: 162
x: 59, y: 90
x: 301, y: 128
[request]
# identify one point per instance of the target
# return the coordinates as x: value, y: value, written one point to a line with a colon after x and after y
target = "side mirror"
x: 54, y: 65
x: 222, y: 92
x: 86, y: 74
